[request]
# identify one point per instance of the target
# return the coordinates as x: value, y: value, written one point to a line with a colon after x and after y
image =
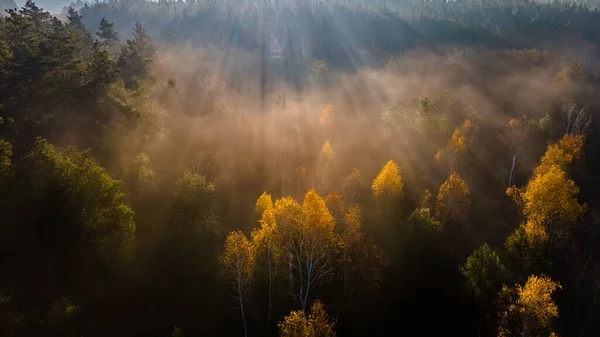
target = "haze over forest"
x: 299, y: 168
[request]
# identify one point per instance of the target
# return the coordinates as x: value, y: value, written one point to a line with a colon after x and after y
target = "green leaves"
x: 483, y: 274
x: 194, y: 203
x: 94, y: 211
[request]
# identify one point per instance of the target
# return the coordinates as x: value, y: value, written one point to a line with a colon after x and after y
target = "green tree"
x: 483, y: 274
x: 107, y: 34
x: 194, y: 205
x: 136, y: 57
x: 101, y: 70
x: 76, y: 22
x: 5, y: 159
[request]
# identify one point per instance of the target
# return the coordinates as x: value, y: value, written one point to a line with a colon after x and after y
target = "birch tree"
x: 267, y: 246
x: 528, y: 310
x: 452, y: 199
x: 237, y: 266
x: 308, y: 237
x: 317, y: 324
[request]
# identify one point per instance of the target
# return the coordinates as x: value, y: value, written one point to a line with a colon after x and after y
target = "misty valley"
x: 299, y: 168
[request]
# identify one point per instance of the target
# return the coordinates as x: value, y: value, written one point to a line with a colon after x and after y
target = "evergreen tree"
x: 107, y: 33
x: 136, y: 57
x: 75, y: 21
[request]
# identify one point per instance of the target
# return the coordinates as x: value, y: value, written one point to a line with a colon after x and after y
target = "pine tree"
x: 136, y: 57
x: 107, y: 33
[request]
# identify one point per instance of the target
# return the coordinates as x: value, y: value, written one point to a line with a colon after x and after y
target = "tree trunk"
x: 242, y: 311
x: 270, y: 297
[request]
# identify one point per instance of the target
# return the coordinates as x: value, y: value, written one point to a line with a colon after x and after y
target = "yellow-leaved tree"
x: 353, y: 187
x: 263, y: 203
x: 237, y: 267
x: 267, y: 246
x: 453, y: 199
x: 307, y: 233
x: 325, y: 166
x: 317, y: 324
x: 549, y: 200
x: 528, y: 310
x: 360, y: 262
x: 457, y: 146
x: 388, y: 183
x: 561, y: 154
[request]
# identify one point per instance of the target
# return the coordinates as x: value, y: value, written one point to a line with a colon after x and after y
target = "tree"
x: 318, y: 324
x: 308, y: 236
x: 325, y: 163
x: 483, y: 274
x: 107, y: 34
x: 360, y: 261
x: 93, y: 200
x: 549, y: 200
x: 388, y: 183
x: 237, y: 266
x: 453, y: 199
x: 136, y: 57
x: 76, y: 22
x: 194, y: 206
x: 263, y: 203
x: 267, y: 245
x: 562, y: 154
x: 353, y: 187
x: 550, y: 205
x: 5, y: 159
x: 102, y: 71
x: 68, y: 222
x: 528, y: 310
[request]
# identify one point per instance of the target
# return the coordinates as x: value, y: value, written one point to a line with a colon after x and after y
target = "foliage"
x: 263, y: 203
x: 528, y: 309
x: 5, y: 158
x: 106, y: 33
x: 453, y: 199
x: 561, y: 154
x: 388, y: 183
x: 549, y: 200
x: 89, y: 203
x: 237, y: 267
x: 353, y: 187
x: 194, y: 207
x: 483, y: 273
x: 318, y: 324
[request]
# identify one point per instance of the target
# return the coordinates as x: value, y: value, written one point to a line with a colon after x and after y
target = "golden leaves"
x: 388, y: 183
x: 317, y: 324
x: 549, y: 200
x: 453, y: 198
x: 316, y: 214
x: 263, y: 203
x: 535, y: 299
x: 237, y: 261
x: 561, y: 153
x: 528, y: 308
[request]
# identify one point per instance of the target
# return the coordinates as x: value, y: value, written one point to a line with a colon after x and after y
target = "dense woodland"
x: 300, y: 168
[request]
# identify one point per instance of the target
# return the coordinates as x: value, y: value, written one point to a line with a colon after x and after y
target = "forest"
x: 300, y: 168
